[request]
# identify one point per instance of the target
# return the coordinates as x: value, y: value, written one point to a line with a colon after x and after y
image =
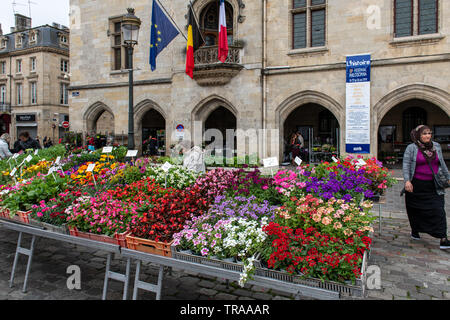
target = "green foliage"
x: 132, y: 174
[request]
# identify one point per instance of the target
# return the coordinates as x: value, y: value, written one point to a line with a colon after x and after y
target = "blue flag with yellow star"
x: 163, y: 32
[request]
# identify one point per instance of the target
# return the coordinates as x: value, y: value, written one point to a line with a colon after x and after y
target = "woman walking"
x: 425, y: 204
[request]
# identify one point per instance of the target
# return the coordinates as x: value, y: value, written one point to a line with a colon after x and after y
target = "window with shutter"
x: 403, y: 18
x: 308, y: 23
x: 428, y: 10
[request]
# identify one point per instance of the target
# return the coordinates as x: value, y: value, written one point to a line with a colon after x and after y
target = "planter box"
x: 119, y: 238
x: 356, y: 290
x: 233, y: 266
x: 4, y: 213
x: 50, y: 227
x: 20, y: 216
x: 149, y: 246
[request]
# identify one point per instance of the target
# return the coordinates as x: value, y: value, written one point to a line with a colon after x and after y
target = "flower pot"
x: 118, y: 238
x: 149, y: 246
x: 21, y: 216
x: 4, y: 213
x: 50, y: 227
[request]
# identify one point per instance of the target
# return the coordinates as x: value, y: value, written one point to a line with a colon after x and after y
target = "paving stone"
x: 225, y: 296
x: 207, y: 292
x: 242, y: 292
x: 262, y: 296
x: 245, y: 298
x: 281, y: 298
x: 206, y: 284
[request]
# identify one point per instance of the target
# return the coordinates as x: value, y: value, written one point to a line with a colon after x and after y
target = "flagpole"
x: 171, y: 19
x: 196, y: 21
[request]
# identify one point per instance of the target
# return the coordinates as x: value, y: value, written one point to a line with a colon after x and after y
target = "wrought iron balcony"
x: 5, y: 107
x: 209, y: 71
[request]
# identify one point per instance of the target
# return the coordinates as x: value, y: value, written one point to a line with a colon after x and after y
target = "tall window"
x: 19, y: 66
x: 119, y: 52
x: 308, y: 23
x: 64, y: 66
x: 33, y: 64
x: 209, y: 23
x: 2, y: 94
x: 415, y: 17
x: 33, y: 93
x: 2, y: 67
x: 19, y: 94
x: 64, y: 94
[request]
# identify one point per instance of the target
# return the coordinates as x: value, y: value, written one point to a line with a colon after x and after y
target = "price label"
x: 107, y: 149
x: 361, y: 162
x: 298, y: 161
x: 29, y: 158
x: 334, y: 159
x: 36, y: 152
x: 131, y: 153
x: 90, y: 167
x: 166, y: 167
x: 58, y: 159
x: 270, y: 162
x: 15, y: 156
x: 13, y: 172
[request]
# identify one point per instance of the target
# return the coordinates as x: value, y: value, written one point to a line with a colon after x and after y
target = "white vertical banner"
x: 357, y: 116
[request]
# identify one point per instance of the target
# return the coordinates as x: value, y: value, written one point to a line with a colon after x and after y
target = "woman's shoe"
x: 415, y: 235
x: 445, y: 244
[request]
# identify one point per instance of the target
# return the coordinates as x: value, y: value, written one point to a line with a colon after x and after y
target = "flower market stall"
x: 306, y: 230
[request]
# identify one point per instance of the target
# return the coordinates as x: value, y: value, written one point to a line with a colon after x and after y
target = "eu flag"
x: 163, y: 32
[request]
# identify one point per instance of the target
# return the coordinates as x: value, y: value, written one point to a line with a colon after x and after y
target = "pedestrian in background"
x: 425, y: 203
x: 5, y: 139
x: 25, y: 142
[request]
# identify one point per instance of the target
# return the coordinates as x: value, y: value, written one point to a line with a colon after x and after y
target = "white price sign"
x: 15, y: 156
x: 166, y: 167
x: 13, y: 172
x: 36, y: 152
x: 29, y: 158
x: 334, y: 159
x: 131, y: 153
x: 107, y: 149
x: 298, y: 161
x: 361, y: 162
x: 58, y: 159
x: 90, y: 167
x: 270, y: 162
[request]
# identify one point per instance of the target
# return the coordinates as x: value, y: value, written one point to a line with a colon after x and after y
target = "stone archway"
x: 309, y: 97
x: 94, y: 113
x: 140, y: 112
x: 433, y: 99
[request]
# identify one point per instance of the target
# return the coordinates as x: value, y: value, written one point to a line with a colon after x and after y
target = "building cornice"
x: 120, y: 84
x: 26, y: 51
x: 342, y: 65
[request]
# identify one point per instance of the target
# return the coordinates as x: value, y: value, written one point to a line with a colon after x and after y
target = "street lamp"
x: 130, y: 31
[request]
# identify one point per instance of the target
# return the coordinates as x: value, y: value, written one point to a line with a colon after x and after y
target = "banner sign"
x: 357, y: 135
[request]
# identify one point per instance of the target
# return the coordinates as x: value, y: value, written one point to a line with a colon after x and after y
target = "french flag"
x: 223, y: 41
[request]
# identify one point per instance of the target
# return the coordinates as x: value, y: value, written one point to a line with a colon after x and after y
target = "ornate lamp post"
x: 130, y: 32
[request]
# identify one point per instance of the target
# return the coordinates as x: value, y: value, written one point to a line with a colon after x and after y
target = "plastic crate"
x: 4, y: 213
x: 232, y: 266
x: 356, y: 290
x: 149, y: 246
x: 119, y: 238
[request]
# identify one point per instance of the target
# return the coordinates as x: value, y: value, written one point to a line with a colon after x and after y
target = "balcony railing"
x: 5, y: 107
x: 208, y: 55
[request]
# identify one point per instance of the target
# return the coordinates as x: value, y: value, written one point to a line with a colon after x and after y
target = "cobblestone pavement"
x: 410, y: 269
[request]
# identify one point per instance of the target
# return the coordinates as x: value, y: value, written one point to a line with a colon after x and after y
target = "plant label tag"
x: 13, y: 172
x: 361, y: 162
x: 57, y: 160
x: 107, y: 149
x: 298, y: 161
x: 166, y: 167
x: 334, y: 159
x: 90, y: 167
x: 15, y: 156
x: 29, y: 158
x: 131, y: 153
x: 270, y: 162
x: 51, y: 170
x: 36, y: 152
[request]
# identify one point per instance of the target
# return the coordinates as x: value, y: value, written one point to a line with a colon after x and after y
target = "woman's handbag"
x: 440, y: 181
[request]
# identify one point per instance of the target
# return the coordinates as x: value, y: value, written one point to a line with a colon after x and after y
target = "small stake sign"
x: 334, y: 159
x: 58, y: 159
x: 13, y: 172
x: 298, y: 161
x: 131, y: 153
x: 270, y: 162
x: 36, y: 152
x: 107, y: 149
x: 90, y: 167
x: 361, y: 162
x: 166, y: 167
x: 29, y: 158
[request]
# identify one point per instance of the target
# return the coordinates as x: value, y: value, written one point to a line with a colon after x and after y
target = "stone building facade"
x: 34, y: 77
x: 286, y: 70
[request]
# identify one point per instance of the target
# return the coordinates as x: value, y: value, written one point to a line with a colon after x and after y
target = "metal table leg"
x: 27, y: 252
x: 125, y: 278
x: 148, y: 286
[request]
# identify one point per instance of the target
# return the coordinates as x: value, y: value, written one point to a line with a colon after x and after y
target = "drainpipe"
x: 264, y: 77
x: 13, y: 137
